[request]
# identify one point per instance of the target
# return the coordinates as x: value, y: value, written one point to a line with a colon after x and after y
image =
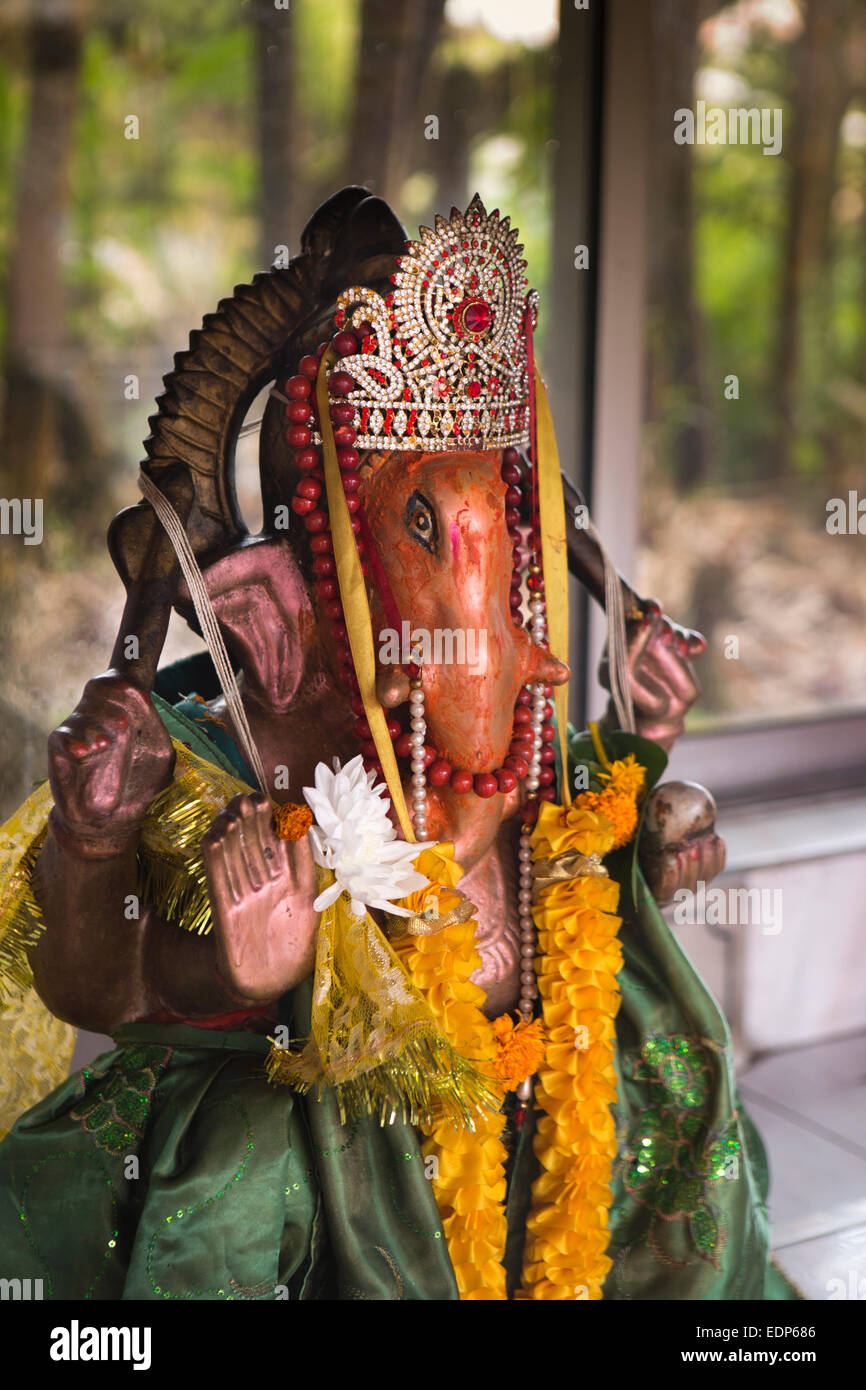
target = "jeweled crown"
x: 442, y: 364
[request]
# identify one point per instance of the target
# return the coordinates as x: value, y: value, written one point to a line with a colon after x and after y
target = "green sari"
x: 171, y: 1168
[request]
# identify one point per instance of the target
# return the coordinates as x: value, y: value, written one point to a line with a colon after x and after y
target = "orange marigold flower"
x: 626, y: 775
x: 519, y: 1049
x: 291, y: 821
x: 617, y: 807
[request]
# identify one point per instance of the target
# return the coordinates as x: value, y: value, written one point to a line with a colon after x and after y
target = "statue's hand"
x: 679, y: 846
x: 261, y: 891
x: 106, y: 763
x: 663, y: 682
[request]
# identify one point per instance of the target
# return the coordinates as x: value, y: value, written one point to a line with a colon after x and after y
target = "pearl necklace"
x: 528, y: 980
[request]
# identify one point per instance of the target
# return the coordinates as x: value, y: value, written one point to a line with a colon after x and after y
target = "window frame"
x: 761, y: 760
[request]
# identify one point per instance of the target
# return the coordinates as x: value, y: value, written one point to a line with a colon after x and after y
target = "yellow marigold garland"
x: 565, y: 1255
x: 580, y: 957
x: 469, y: 1181
x: 626, y: 775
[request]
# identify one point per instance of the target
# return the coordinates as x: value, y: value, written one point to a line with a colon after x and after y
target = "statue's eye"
x: 421, y: 521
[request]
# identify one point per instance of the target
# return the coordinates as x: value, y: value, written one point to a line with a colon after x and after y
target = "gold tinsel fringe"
x: 171, y: 874
x: 21, y: 925
x: 422, y: 1080
x: 177, y: 889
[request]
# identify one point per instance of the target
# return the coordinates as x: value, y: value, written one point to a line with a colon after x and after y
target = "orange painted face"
x: 438, y: 521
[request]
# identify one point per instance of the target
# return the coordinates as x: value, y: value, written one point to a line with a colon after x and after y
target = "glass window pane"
x: 753, y: 507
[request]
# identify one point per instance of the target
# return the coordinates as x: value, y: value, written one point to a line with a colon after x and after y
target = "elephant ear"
x: 255, y: 335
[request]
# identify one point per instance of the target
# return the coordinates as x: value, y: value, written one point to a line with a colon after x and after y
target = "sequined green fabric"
x: 673, y: 1162
x: 235, y: 1190
x: 116, y: 1102
x: 689, y: 1217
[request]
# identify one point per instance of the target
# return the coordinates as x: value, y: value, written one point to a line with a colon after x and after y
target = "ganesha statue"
x: 375, y: 933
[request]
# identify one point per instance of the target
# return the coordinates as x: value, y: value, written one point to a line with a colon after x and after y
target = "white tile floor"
x: 810, y: 1106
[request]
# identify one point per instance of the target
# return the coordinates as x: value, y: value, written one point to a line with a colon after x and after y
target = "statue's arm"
x: 94, y: 966
x: 679, y: 846
x: 98, y: 967
x: 661, y: 676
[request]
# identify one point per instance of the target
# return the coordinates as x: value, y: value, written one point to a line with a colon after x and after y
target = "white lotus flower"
x: 354, y: 838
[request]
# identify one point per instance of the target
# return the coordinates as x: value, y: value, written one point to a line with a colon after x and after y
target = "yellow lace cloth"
x: 373, y: 1038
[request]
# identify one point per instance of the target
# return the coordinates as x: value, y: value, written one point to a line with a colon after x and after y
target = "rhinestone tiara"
x: 442, y: 363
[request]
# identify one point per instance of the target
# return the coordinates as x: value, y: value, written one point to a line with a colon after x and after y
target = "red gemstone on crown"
x: 473, y: 316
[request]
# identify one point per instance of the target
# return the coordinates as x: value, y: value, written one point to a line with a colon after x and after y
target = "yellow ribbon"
x: 356, y: 608
x: 554, y: 559
x: 353, y: 592
x: 598, y: 746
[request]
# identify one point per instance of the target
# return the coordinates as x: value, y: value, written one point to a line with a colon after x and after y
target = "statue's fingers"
x: 78, y: 737
x: 225, y: 832
x: 685, y: 872
x: 222, y: 883
x: 86, y: 756
x: 234, y: 859
x: 117, y: 703
x: 640, y: 634
x: 64, y: 762
x: 664, y: 875
x: 650, y: 696
x: 106, y: 780
x: 668, y: 633
x: 271, y: 848
x: 302, y: 866
x: 249, y: 845
x: 713, y: 856
x: 675, y: 672
x: 681, y: 641
x: 686, y: 641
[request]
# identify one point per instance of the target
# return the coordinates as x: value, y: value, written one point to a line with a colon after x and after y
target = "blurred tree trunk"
x: 458, y: 100
x: 820, y: 93
x: 677, y: 378
x: 469, y: 105
x: 398, y: 39
x: 277, y: 135
x: 30, y: 441
x: 673, y: 316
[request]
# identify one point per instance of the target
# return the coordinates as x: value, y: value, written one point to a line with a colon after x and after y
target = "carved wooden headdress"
x: 252, y: 338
